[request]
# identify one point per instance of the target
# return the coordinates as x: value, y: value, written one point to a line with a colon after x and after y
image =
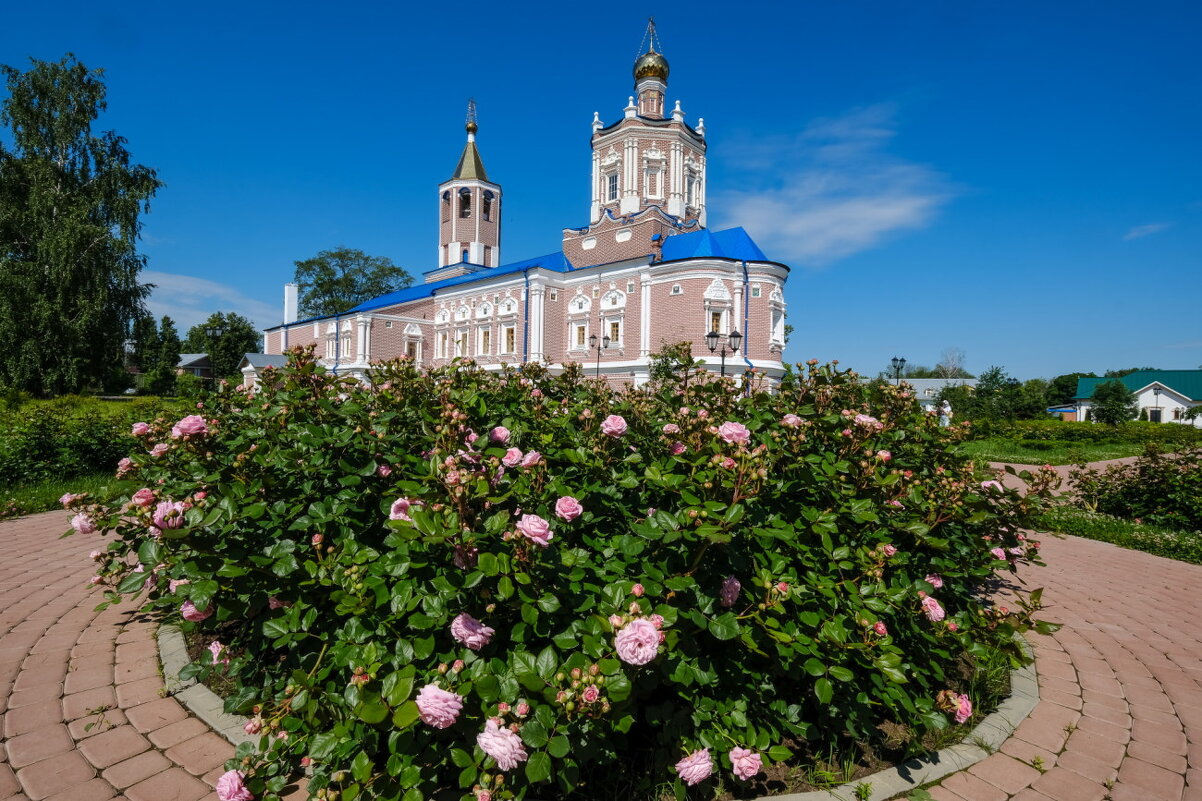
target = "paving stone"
x: 113, y: 746
x: 1067, y: 785
x: 139, y: 692
x: 91, y: 725
x: 55, y: 775
x: 201, y: 754
x: 155, y: 714
x: 38, y: 744
x: 137, y: 769
x: 88, y: 702
x: 1151, y: 778
x: 970, y: 786
x: 1157, y: 756
x: 1005, y: 772
x: 176, y: 733
x: 173, y: 784
x: 25, y: 719
x: 94, y: 790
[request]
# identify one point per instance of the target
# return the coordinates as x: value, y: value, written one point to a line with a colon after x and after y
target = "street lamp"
x: 899, y: 364
x: 1156, y: 392
x: 592, y: 343
x: 732, y: 340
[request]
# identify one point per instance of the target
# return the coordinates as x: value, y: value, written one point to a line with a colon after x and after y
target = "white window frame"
x: 607, y: 329
x: 484, y: 340
x: 506, y: 330
x: 574, y: 335
x: 613, y: 187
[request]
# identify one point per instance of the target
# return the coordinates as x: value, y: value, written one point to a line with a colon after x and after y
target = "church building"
x: 644, y: 272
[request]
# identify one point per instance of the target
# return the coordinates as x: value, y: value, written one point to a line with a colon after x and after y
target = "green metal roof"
x: 470, y: 165
x: 1184, y: 382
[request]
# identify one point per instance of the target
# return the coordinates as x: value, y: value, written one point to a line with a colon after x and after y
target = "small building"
x: 253, y: 365
x: 926, y: 390
x: 1164, y: 396
x: 196, y: 364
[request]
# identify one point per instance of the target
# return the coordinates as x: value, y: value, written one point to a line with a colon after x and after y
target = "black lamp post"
x: 899, y: 364
x: 732, y: 340
x: 1156, y: 392
x: 592, y: 343
x: 213, y: 333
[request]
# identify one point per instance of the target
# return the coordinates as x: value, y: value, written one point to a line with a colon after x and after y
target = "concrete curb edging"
x: 197, y: 698
x: 991, y: 732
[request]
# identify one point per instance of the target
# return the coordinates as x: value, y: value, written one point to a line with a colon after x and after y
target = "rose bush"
x: 686, y: 583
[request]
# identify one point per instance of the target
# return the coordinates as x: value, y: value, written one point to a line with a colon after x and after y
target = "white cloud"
x: 189, y: 301
x: 1145, y: 230
x: 831, y: 190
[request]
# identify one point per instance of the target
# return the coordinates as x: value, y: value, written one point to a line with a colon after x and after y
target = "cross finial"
x: 471, y: 126
x: 651, y: 40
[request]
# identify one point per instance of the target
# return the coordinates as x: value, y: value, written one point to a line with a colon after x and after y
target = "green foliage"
x: 1163, y: 490
x: 44, y: 495
x: 70, y: 203
x: 1046, y: 451
x: 1169, y: 436
x: 1126, y: 371
x: 237, y: 338
x: 1113, y: 403
x: 1062, y: 389
x: 335, y: 602
x: 68, y: 436
x: 336, y: 280
x: 189, y: 386
x: 1184, y: 546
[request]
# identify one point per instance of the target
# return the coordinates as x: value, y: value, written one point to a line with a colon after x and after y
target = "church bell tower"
x: 469, y: 211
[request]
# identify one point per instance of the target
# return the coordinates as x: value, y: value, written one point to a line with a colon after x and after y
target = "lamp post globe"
x: 711, y: 341
x: 735, y: 338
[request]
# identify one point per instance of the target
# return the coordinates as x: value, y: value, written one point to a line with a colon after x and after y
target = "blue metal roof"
x: 731, y: 243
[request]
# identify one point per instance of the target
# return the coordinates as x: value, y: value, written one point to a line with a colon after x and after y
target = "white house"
x: 1164, y: 396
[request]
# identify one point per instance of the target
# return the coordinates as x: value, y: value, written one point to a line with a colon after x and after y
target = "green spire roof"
x: 470, y: 165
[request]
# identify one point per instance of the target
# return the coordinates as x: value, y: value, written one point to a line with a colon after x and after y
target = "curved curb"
x: 197, y: 698
x: 991, y: 732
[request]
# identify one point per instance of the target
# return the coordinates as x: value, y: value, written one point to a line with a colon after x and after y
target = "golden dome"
x: 651, y: 65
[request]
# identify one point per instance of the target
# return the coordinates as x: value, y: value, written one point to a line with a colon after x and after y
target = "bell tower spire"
x: 651, y: 75
x: 469, y: 210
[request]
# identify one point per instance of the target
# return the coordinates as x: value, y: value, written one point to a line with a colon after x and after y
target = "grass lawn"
x: 1049, y: 451
x: 1185, y: 546
x: 42, y: 496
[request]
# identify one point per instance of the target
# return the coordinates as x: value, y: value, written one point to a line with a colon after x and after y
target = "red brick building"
x: 643, y: 273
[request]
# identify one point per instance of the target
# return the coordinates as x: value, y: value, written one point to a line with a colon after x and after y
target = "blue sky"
x: 1019, y: 180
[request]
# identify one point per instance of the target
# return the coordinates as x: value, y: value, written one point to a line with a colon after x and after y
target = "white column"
x: 534, y: 315
x: 595, y: 211
x: 645, y: 314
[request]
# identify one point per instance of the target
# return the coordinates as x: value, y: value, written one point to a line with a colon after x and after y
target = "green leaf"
x: 779, y: 753
x: 725, y: 627
x: 841, y: 673
x: 405, y: 716
x: 618, y: 688
x: 547, y: 662
x: 373, y: 713
x: 488, y: 688
x: 361, y: 766
x: 538, y: 767
x: 534, y: 734
x: 558, y: 746
x: 461, y: 758
x: 823, y: 690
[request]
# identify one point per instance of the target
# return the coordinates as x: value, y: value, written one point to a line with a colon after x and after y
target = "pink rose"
x: 730, y: 591
x: 782, y: 587
x: 935, y: 580
x: 963, y: 708
x: 317, y: 539
x: 637, y: 590
x: 471, y: 632
x: 889, y: 550
x: 457, y: 665
x: 677, y: 448
x: 471, y: 437
x: 253, y: 726
x: 140, y: 429
x: 696, y: 767
x: 169, y: 514
x: 512, y: 457
x: 531, y: 459
x: 190, y: 612
x: 275, y: 603
x: 728, y: 463
x: 880, y: 628
x: 952, y: 627
x: 535, y: 529
x: 656, y: 620
x: 215, y: 648
x: 437, y: 707
x: 400, y: 509
x: 615, y: 621
x: 868, y: 421
x: 791, y: 420
x: 96, y: 580
x: 174, y: 584
x: 933, y: 610
x: 613, y: 426
x: 998, y: 553
x: 591, y: 694
x: 306, y: 761
x: 637, y: 643
x: 143, y: 497
x: 884, y: 456
x: 69, y: 499
x: 96, y: 556
x: 231, y: 787
x: 734, y: 432
x: 501, y: 744
x: 83, y: 524
x: 745, y: 763
x: 384, y: 471
x: 522, y: 709
x: 124, y: 466
x: 192, y: 425
x: 160, y: 449
x: 500, y: 435
x: 568, y: 508
x: 671, y: 428
x: 992, y: 485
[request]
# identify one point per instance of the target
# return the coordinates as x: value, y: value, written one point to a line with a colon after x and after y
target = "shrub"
x: 1158, y: 489
x: 1168, y: 435
x: 460, y: 584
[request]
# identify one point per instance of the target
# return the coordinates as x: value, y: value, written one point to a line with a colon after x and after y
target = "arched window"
x: 465, y: 203
x: 463, y: 256
x: 486, y: 210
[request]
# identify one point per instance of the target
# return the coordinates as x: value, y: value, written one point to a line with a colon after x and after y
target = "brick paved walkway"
x: 1120, y: 713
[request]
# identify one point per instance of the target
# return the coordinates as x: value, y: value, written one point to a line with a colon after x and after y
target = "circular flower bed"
x: 464, y: 584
